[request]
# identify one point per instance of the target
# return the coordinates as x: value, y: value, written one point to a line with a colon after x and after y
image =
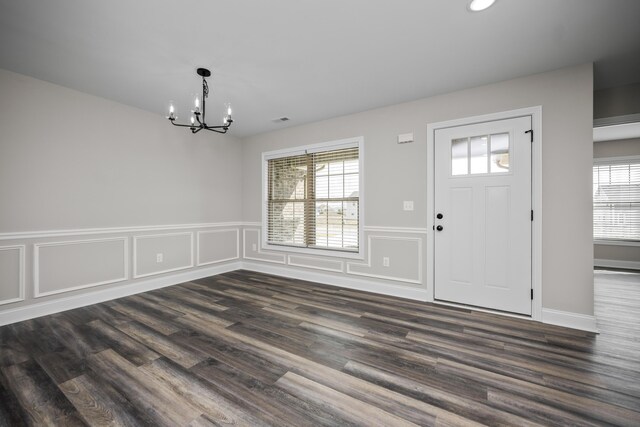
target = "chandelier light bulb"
x: 196, y: 103
x: 479, y: 5
x: 172, y: 110
x: 229, y: 110
x: 193, y: 120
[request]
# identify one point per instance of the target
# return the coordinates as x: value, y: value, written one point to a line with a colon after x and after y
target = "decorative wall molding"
x: 409, y: 292
x: 252, y: 224
x: 22, y: 235
x: 370, y: 238
x: 36, y: 265
x: 57, y: 305
x: 259, y: 248
x: 409, y: 230
x: 338, y: 269
x: 155, y: 236
x: 612, y: 263
x: 226, y: 230
x: 21, y: 272
x: 569, y: 320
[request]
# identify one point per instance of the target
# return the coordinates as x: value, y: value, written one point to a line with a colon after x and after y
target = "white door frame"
x: 536, y: 202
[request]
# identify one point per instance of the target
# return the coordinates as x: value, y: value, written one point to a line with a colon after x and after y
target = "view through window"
x: 616, y: 200
x: 313, y: 200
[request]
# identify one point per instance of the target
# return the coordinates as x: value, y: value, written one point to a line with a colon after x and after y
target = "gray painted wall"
x: 616, y: 101
x: 394, y: 173
x: 90, y: 162
x: 113, y: 175
x: 618, y: 148
x: 72, y: 160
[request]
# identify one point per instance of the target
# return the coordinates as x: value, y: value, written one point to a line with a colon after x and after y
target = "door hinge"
x: 531, y: 214
x: 531, y: 132
x: 531, y: 293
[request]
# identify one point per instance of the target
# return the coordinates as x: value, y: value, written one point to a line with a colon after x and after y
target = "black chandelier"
x: 197, y: 117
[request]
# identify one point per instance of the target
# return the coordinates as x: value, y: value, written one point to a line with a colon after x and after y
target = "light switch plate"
x: 408, y: 205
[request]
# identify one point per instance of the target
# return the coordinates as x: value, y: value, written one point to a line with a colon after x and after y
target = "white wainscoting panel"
x: 67, y: 266
x: 11, y: 274
x: 405, y: 259
x: 251, y: 248
x: 316, y: 263
x: 176, y: 250
x: 69, y: 302
x: 216, y: 246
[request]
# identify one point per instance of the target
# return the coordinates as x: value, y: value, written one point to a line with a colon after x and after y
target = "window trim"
x: 307, y: 149
x: 612, y: 161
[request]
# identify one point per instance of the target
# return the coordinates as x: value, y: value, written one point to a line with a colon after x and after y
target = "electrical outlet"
x: 408, y: 205
x: 385, y: 261
x: 255, y: 247
x: 159, y: 258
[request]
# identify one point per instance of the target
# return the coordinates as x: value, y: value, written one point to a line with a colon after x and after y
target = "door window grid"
x: 478, y: 155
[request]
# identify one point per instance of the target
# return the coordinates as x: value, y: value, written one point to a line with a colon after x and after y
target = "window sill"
x: 317, y: 252
x: 616, y: 242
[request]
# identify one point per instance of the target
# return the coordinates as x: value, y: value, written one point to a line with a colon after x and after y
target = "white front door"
x: 483, y: 215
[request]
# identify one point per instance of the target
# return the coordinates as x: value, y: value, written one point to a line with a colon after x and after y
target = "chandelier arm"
x: 213, y: 129
x: 216, y: 127
x: 181, y: 125
x: 225, y: 126
x: 196, y: 129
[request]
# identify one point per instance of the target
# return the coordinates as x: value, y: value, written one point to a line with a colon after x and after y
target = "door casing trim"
x: 536, y: 196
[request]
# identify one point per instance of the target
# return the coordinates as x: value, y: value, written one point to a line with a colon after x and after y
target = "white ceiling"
x: 309, y: 60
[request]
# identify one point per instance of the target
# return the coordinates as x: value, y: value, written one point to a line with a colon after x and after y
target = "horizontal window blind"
x: 313, y: 200
x: 616, y: 201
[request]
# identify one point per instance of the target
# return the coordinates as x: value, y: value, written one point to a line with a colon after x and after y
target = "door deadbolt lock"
x: 439, y: 216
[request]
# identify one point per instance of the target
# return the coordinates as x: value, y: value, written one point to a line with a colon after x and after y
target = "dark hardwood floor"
x: 251, y: 349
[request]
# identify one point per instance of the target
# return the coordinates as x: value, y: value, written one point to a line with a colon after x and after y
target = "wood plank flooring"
x: 251, y: 349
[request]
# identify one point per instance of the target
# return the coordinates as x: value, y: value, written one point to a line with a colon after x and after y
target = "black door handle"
x: 439, y: 216
x: 439, y: 228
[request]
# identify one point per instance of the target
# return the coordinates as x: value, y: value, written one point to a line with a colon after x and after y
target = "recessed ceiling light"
x: 479, y: 5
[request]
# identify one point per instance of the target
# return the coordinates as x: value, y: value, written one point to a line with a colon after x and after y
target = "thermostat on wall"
x: 405, y: 138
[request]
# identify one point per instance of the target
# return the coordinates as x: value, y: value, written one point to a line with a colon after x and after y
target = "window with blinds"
x: 312, y: 199
x: 616, y: 200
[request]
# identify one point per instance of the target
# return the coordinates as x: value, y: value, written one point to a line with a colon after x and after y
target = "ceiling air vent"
x: 280, y: 120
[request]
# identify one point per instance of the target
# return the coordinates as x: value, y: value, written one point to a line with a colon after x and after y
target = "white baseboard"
x: 409, y: 292
x: 569, y: 320
x: 44, y: 308
x: 612, y: 263
x: 18, y: 314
